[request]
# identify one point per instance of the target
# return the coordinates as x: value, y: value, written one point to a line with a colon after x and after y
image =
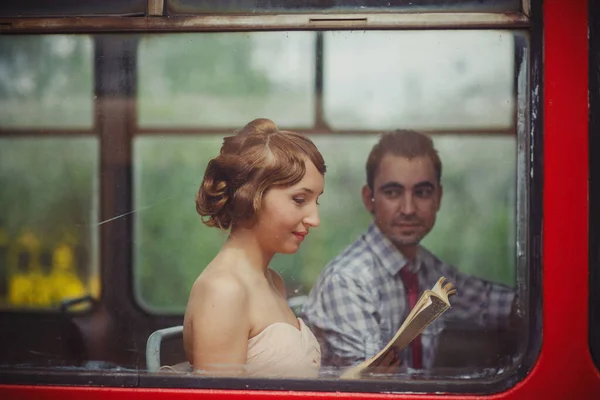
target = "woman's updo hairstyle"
x: 255, y: 159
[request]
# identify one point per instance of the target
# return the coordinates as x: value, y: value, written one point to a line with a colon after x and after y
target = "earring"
x: 372, y: 199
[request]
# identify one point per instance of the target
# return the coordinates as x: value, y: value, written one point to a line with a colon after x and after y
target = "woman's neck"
x: 244, y: 244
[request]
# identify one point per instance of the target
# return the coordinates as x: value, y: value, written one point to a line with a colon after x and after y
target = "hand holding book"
x: 429, y: 307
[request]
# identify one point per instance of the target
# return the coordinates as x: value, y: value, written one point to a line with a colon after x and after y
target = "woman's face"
x: 288, y: 213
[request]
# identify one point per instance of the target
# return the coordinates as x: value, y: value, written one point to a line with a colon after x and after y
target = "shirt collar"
x: 390, y: 257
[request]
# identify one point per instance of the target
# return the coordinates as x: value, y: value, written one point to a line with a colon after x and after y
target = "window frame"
x: 116, y: 171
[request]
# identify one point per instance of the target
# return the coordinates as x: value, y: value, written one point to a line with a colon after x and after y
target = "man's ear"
x: 367, y: 197
x: 440, y: 195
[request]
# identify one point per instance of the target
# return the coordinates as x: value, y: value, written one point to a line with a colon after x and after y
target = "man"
x: 362, y: 296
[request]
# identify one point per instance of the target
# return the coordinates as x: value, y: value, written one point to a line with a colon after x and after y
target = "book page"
x: 429, y: 307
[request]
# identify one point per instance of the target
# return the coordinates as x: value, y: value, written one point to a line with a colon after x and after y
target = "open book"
x: 430, y: 306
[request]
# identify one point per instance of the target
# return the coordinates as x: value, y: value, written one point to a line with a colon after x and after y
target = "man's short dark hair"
x: 403, y: 143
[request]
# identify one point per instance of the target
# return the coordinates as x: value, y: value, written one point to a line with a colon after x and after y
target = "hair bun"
x: 260, y: 125
x: 258, y: 129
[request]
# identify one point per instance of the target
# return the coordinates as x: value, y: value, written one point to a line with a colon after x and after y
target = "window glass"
x: 479, y: 201
x: 190, y: 7
x: 48, y: 221
x: 191, y: 91
x: 46, y: 81
x: 226, y: 79
x: 419, y: 80
x: 443, y: 87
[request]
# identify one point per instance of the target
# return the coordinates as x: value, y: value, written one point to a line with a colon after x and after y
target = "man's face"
x: 405, y: 199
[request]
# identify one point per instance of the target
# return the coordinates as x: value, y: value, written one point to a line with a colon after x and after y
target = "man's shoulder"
x: 431, y: 261
x: 436, y: 267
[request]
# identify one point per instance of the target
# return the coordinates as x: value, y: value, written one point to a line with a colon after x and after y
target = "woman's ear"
x: 368, y: 199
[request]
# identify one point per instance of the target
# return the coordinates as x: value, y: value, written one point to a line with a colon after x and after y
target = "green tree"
x: 46, y: 80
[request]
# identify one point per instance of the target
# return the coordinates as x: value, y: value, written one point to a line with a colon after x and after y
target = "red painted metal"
x: 564, y: 368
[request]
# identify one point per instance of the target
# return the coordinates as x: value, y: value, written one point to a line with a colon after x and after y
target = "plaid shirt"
x: 359, y: 301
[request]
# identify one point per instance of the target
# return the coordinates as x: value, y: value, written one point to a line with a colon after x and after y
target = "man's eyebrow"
x: 391, y: 185
x: 396, y: 185
x: 425, y: 184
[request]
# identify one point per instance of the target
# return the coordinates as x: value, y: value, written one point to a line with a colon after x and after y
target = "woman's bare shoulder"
x: 219, y: 284
x: 217, y: 319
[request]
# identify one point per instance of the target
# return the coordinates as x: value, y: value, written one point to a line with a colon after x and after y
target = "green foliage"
x: 475, y: 230
x: 193, y: 76
x: 171, y: 244
x: 225, y: 79
x: 49, y: 189
x: 46, y: 81
x: 210, y: 64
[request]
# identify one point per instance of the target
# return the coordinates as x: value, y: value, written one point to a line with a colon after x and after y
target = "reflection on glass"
x: 419, y: 80
x: 48, y: 210
x: 187, y: 7
x: 46, y: 81
x: 226, y: 79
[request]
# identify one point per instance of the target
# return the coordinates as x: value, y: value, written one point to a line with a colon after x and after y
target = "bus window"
x: 48, y: 204
x: 464, y: 88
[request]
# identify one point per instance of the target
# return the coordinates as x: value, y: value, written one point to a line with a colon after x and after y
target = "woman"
x: 264, y: 187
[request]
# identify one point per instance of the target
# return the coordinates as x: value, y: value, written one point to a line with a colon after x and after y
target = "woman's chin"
x: 289, y: 249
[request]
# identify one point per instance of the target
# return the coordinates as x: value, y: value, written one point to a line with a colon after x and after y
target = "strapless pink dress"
x: 281, y: 350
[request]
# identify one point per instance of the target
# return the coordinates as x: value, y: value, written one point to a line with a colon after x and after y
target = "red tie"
x: 411, y: 283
